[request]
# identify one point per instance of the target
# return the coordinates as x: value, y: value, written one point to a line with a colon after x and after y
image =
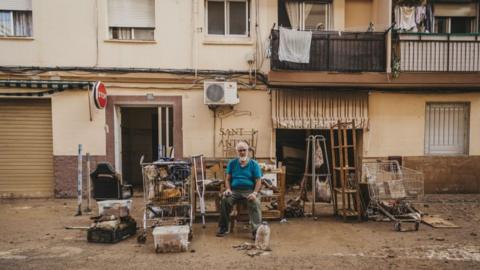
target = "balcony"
x: 421, y: 52
x: 344, y: 52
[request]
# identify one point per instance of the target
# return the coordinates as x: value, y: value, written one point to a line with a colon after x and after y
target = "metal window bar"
x: 329, y: 51
x: 446, y: 128
x: 438, y: 52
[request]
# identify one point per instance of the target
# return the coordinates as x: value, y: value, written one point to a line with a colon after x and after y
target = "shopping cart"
x: 167, y: 191
x: 392, y: 189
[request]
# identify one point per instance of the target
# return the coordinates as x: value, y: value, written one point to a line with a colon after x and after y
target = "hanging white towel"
x: 294, y: 45
x: 407, y: 19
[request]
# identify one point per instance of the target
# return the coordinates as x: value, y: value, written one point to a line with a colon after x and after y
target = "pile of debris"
x: 252, y: 250
x: 113, y: 223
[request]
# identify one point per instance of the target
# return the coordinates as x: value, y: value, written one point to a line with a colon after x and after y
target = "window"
x: 16, y: 18
x: 308, y: 15
x: 441, y: 25
x: 454, y: 24
x: 461, y: 25
x: 315, y: 16
x: 228, y: 17
x: 131, y: 19
x: 447, y: 128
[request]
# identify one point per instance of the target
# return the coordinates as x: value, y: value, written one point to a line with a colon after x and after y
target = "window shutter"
x: 131, y: 13
x: 16, y: 5
x: 455, y: 10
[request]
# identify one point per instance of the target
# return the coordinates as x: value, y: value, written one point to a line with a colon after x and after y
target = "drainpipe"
x: 389, y: 40
x: 195, y: 36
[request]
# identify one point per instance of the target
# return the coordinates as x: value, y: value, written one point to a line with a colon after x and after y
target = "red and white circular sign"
x: 100, y: 95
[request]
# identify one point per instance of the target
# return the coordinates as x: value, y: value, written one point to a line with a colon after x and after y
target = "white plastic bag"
x: 262, y: 238
x: 318, y: 155
x: 323, y: 192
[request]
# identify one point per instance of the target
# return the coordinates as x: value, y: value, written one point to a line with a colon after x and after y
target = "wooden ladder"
x: 347, y: 189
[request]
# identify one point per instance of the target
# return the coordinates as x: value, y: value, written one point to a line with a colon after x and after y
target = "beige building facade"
x: 155, y: 86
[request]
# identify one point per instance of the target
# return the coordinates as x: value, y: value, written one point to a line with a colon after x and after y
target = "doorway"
x: 291, y: 146
x: 145, y: 131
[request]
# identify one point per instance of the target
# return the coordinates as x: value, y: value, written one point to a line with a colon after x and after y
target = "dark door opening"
x: 291, y: 146
x: 139, y: 137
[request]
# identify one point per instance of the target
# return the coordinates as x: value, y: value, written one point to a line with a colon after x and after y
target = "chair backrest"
x: 106, y: 185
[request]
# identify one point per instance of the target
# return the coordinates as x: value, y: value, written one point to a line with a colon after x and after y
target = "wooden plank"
x: 438, y: 222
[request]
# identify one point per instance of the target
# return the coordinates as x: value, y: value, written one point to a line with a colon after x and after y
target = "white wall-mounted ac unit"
x: 220, y: 93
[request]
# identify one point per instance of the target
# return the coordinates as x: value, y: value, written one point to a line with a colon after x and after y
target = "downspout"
x: 389, y: 41
x: 96, y: 33
x: 195, y: 37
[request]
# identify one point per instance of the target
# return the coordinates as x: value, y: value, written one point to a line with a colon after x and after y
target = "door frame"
x: 114, y: 103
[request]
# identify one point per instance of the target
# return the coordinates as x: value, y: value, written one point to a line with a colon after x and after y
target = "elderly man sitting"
x: 243, y: 183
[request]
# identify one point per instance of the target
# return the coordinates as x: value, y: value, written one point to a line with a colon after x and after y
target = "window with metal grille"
x: 447, y: 128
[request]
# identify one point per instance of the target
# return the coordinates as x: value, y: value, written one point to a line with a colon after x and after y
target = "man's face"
x: 242, y: 152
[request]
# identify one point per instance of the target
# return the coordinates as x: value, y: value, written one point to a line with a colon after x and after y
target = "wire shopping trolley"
x: 392, y: 189
x: 167, y: 191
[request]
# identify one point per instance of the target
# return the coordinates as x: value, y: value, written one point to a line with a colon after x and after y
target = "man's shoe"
x: 221, y: 232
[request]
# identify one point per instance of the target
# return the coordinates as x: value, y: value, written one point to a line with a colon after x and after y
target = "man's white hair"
x: 241, y: 145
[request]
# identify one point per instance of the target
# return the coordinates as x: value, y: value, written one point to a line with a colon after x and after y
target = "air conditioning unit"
x: 220, y: 93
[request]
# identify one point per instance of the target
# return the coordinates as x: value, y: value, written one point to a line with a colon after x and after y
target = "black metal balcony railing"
x: 420, y: 52
x: 331, y: 51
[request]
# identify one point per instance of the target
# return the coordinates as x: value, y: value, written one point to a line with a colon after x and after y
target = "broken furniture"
x: 391, y: 189
x: 107, y: 184
x: 168, y: 194
x: 272, y: 199
x: 113, y: 222
x: 345, y: 173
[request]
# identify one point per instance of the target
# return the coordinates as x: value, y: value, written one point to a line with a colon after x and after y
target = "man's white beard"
x: 245, y: 158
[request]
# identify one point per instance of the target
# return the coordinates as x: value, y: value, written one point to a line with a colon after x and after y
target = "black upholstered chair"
x: 107, y: 184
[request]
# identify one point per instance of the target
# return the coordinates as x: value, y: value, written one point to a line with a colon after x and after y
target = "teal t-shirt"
x: 243, y: 178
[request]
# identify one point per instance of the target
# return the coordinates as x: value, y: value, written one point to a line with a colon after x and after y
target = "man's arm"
x: 258, y: 185
x: 227, y: 182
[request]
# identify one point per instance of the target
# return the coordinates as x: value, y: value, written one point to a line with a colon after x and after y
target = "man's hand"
x: 227, y: 192
x: 252, y: 196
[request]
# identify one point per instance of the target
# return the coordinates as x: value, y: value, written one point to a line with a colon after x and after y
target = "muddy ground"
x: 32, y: 236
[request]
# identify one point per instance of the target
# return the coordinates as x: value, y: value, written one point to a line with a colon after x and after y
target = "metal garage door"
x: 26, y: 154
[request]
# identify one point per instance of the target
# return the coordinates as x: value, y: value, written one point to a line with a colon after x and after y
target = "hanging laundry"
x: 428, y: 18
x: 294, y: 45
x: 405, y: 18
x: 420, y: 14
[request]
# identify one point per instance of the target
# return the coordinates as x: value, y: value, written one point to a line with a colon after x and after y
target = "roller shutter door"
x: 26, y: 152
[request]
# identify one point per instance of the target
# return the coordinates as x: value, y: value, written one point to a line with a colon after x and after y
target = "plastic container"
x: 114, y: 204
x: 262, y: 239
x: 171, y: 238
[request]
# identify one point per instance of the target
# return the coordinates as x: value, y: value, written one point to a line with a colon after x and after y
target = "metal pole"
x: 79, y: 181
x: 89, y: 185
x: 202, y: 198
x: 313, y: 140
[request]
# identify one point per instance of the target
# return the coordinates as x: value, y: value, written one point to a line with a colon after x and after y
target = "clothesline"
x: 376, y: 27
x: 411, y: 18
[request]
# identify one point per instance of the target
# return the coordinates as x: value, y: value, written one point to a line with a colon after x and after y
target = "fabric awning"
x: 41, y: 87
x: 314, y: 109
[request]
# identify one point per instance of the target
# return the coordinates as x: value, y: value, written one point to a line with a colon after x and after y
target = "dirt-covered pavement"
x: 32, y: 236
